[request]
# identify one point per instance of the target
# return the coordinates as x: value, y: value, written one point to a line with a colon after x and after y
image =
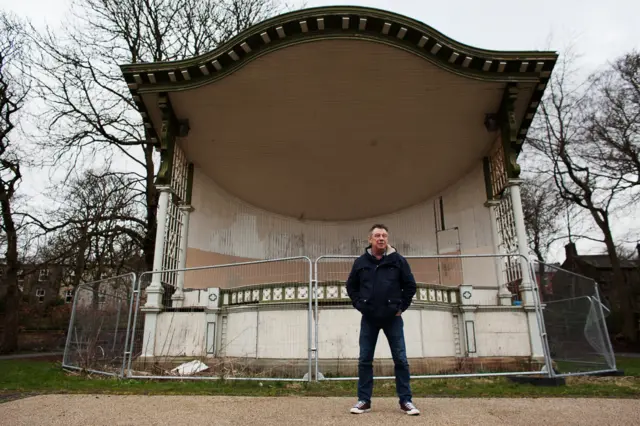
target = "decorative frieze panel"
x: 328, y: 294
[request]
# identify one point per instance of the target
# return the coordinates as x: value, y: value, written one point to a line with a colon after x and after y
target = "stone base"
x: 297, y: 368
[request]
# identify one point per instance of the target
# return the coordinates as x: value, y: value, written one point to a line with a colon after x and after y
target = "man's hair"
x: 379, y: 226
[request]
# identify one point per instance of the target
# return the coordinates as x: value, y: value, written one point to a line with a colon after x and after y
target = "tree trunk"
x: 9, y: 337
x: 622, y: 292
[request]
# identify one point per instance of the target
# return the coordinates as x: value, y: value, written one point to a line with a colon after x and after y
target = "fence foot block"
x: 612, y: 373
x: 539, y: 381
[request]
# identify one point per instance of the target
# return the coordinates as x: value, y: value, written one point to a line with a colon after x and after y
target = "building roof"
x: 602, y: 261
x: 344, y: 22
x: 288, y: 115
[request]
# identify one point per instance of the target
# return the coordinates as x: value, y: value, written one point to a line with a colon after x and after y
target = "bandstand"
x: 287, y: 142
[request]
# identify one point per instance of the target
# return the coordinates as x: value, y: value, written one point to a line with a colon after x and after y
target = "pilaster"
x: 178, y: 296
x: 468, y: 308
x: 155, y: 290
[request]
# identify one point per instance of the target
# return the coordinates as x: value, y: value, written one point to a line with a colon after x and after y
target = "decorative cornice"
x: 509, y: 130
x: 343, y: 22
x: 167, y: 139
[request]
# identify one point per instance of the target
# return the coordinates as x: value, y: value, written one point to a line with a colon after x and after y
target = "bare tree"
x: 13, y: 94
x: 98, y: 228
x: 613, y: 124
x: 89, y: 111
x: 625, y: 252
x: 562, y: 136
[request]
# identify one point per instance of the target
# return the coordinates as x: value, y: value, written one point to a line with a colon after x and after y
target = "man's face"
x: 379, y: 239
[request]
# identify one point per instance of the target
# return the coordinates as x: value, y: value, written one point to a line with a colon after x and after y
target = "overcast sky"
x: 599, y: 30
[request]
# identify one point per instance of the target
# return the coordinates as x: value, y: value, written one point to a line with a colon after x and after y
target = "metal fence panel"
x: 98, y: 332
x: 241, y: 321
x: 446, y: 333
x: 575, y: 323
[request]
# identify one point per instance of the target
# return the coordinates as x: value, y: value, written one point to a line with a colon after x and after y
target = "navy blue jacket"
x: 381, y: 288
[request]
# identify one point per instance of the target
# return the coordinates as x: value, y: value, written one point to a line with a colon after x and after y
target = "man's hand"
x: 399, y: 314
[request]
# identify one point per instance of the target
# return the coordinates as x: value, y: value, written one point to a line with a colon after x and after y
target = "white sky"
x: 598, y: 30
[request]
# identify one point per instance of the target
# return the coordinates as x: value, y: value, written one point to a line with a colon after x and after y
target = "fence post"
x: 65, y: 356
x: 310, y: 322
x: 314, y: 295
x: 604, y: 325
x: 130, y: 328
x: 544, y: 337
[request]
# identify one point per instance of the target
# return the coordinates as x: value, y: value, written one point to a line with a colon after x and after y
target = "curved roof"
x: 344, y: 22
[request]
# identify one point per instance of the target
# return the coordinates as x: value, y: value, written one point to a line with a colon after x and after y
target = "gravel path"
x: 202, y: 410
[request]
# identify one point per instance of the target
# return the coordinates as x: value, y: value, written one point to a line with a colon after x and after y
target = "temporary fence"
x: 575, y: 322
x: 292, y: 319
x: 98, y: 332
x: 247, y: 320
x: 457, y: 293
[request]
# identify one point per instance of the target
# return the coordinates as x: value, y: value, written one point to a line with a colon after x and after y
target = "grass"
x: 631, y: 366
x: 27, y: 377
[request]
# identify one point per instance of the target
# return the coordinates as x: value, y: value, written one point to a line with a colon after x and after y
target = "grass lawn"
x: 26, y: 377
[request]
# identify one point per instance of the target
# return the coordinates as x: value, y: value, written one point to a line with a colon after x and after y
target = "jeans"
x: 394, y: 330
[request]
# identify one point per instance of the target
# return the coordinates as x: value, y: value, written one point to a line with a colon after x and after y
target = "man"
x: 381, y: 286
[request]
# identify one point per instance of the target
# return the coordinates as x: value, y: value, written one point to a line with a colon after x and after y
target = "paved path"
x: 202, y: 410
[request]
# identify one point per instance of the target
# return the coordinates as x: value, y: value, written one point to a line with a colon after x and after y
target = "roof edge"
x: 342, y: 22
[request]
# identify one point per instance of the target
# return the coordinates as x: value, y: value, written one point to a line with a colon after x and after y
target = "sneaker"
x: 361, y: 407
x: 409, y: 409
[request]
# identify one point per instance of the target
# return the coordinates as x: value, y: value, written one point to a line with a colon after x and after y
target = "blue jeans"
x: 394, y: 330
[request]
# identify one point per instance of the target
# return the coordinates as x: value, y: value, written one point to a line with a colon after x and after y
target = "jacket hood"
x: 390, y: 250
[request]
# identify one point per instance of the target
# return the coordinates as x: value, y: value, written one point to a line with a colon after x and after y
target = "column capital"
x: 163, y: 188
x: 187, y: 208
x: 491, y: 203
x: 514, y: 182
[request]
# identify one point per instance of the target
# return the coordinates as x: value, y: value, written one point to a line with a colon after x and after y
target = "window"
x: 20, y: 275
x: 101, y: 298
x: 43, y: 275
x: 68, y: 296
x: 40, y: 295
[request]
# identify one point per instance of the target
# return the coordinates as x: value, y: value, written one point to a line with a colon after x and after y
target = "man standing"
x: 381, y: 286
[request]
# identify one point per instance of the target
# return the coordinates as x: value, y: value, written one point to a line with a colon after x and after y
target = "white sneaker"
x: 361, y: 407
x: 409, y: 409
